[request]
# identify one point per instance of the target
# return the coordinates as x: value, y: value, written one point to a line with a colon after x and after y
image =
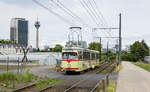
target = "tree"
x: 6, y: 41
x: 146, y: 48
x: 58, y: 48
x: 112, y: 56
x: 38, y: 50
x: 128, y: 56
x: 139, y: 50
x: 95, y: 46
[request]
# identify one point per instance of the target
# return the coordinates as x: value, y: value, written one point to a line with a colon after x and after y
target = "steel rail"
x: 93, y: 90
x: 76, y: 84
x: 73, y: 86
x: 25, y: 87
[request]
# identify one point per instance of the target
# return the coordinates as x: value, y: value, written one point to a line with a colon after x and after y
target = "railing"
x: 9, y: 62
x: 101, y: 85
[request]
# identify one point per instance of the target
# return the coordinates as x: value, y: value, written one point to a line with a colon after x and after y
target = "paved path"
x: 133, y: 79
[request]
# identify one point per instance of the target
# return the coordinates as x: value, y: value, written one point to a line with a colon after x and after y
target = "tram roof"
x: 79, y: 48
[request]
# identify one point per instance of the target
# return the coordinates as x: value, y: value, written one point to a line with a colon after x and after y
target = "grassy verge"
x: 47, y: 82
x: 111, y: 87
x: 10, y: 81
x: 118, y: 68
x: 104, y: 72
x: 143, y: 65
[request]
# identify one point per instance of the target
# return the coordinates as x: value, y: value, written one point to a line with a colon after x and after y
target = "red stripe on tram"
x: 76, y: 60
x: 70, y: 68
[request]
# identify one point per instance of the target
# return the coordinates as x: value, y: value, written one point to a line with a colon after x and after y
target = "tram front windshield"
x: 69, y: 56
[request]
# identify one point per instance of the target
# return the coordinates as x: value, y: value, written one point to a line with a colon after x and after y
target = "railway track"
x: 87, y: 84
x: 77, y: 85
x: 70, y: 85
x: 110, y: 70
x: 62, y: 86
x: 28, y: 88
x: 102, y: 67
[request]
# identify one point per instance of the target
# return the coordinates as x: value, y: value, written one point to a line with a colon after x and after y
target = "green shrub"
x: 13, y: 84
x: 6, y: 83
x: 7, y: 76
x: 128, y: 56
x: 1, y: 89
x: 22, y: 77
x: 118, y: 68
x: 25, y: 77
x: 111, y: 87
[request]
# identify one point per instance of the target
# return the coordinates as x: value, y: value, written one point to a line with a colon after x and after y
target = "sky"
x: 135, y: 20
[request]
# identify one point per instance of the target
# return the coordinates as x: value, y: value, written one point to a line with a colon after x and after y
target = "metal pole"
x: 107, y: 51
x: 100, y: 54
x: 72, y: 37
x: 18, y: 64
x: 107, y: 80
x: 103, y: 85
x: 78, y: 39
x: 120, y: 39
x: 7, y: 63
x: 117, y: 59
x: 69, y: 38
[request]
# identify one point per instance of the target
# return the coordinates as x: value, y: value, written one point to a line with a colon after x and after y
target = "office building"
x: 19, y: 31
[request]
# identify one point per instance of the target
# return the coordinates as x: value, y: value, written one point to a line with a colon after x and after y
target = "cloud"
x: 21, y: 3
x: 135, y: 19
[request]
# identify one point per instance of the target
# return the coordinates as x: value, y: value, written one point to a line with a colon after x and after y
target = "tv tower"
x: 37, y: 26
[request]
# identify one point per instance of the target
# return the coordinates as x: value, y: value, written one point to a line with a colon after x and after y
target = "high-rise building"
x: 19, y: 31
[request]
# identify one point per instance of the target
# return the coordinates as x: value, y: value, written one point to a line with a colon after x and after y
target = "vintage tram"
x: 77, y: 59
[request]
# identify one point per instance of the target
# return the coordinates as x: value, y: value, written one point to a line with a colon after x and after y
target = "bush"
x: 25, y: 77
x: 7, y: 76
x: 128, y: 56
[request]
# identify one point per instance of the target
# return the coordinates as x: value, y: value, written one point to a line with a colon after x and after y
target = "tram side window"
x: 86, y: 55
x: 97, y: 56
x: 80, y: 55
x: 93, y: 56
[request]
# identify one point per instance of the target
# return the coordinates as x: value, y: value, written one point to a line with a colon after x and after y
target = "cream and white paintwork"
x: 79, y: 65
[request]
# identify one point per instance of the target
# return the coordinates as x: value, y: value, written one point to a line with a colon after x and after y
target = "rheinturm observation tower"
x: 37, y: 26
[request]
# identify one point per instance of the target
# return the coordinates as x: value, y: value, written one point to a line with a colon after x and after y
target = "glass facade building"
x: 19, y: 31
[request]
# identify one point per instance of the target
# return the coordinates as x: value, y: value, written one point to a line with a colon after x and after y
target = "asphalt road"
x: 46, y: 71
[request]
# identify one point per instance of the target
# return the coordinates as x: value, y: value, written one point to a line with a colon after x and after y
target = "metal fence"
x: 10, y: 62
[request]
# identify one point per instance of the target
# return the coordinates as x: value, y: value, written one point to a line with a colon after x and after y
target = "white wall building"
x: 147, y: 59
x: 10, y: 48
